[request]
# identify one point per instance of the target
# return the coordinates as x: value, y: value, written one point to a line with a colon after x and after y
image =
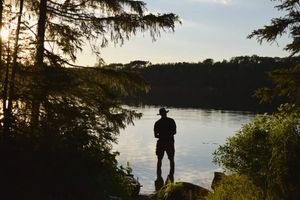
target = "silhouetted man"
x: 164, y: 130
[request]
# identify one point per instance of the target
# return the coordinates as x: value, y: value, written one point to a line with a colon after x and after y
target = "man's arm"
x: 156, y: 133
x: 174, y: 127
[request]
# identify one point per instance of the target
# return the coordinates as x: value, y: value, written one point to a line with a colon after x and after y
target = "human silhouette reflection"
x: 164, y: 130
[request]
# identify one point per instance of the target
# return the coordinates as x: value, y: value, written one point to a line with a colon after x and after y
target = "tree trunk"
x: 6, y: 78
x: 41, y: 29
x: 7, y: 119
x: 39, y: 58
x: 1, y: 13
x: 5, y: 86
x: 1, y: 64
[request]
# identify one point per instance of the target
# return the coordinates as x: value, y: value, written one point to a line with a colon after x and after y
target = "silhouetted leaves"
x: 63, y: 121
x: 266, y: 151
x: 285, y: 80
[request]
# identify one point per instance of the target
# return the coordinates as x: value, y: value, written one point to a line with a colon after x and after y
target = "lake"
x: 199, y: 133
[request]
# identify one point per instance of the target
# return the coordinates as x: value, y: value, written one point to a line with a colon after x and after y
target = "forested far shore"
x: 229, y: 84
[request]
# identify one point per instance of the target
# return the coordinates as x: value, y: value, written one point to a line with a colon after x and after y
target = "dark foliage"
x: 286, y: 81
x: 266, y: 151
x: 289, y: 23
x: 54, y: 166
x: 57, y: 125
x: 69, y: 154
x: 220, y: 85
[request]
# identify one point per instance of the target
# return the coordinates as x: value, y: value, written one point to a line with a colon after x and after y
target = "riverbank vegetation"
x: 266, y: 150
x: 236, y: 187
x: 59, y: 120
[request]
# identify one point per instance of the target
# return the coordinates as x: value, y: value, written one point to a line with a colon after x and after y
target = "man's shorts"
x: 162, y: 146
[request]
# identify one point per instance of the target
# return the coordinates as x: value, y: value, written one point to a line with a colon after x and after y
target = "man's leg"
x: 171, y: 153
x: 158, y: 167
x: 170, y: 177
x: 172, y: 167
x: 159, y: 182
x: 160, y: 154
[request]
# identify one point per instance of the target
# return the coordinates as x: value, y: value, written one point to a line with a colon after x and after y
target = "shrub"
x: 267, y: 151
x: 235, y: 187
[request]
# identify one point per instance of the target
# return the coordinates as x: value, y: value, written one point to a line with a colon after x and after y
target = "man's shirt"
x: 165, y: 129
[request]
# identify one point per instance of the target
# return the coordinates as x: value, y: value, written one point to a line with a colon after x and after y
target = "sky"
x: 216, y: 29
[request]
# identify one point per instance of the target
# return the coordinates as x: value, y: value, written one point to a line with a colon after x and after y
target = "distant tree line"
x: 229, y: 84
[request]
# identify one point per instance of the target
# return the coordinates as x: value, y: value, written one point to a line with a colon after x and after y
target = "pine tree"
x: 286, y: 81
x: 62, y: 120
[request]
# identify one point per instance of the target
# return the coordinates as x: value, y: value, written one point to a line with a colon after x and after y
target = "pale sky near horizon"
x: 214, y: 29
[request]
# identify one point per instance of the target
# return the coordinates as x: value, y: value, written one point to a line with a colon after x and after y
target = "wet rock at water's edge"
x: 182, y: 190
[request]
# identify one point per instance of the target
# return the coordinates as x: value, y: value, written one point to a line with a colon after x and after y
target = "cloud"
x: 224, y: 2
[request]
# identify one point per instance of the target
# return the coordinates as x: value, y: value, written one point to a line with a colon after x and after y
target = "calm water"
x: 199, y: 133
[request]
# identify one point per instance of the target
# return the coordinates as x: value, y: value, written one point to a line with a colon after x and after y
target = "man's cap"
x: 162, y: 111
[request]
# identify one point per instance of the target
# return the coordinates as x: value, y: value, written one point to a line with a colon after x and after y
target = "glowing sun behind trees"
x: 4, y: 33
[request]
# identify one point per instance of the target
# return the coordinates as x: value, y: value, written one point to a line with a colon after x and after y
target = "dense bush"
x: 235, y: 187
x: 71, y: 166
x: 67, y: 154
x: 267, y: 151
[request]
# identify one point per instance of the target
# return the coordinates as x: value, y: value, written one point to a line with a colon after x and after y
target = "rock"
x: 217, y: 178
x: 180, y: 191
x: 143, y: 197
x: 136, y: 186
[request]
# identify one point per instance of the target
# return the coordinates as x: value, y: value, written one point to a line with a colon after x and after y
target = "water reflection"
x: 199, y: 132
